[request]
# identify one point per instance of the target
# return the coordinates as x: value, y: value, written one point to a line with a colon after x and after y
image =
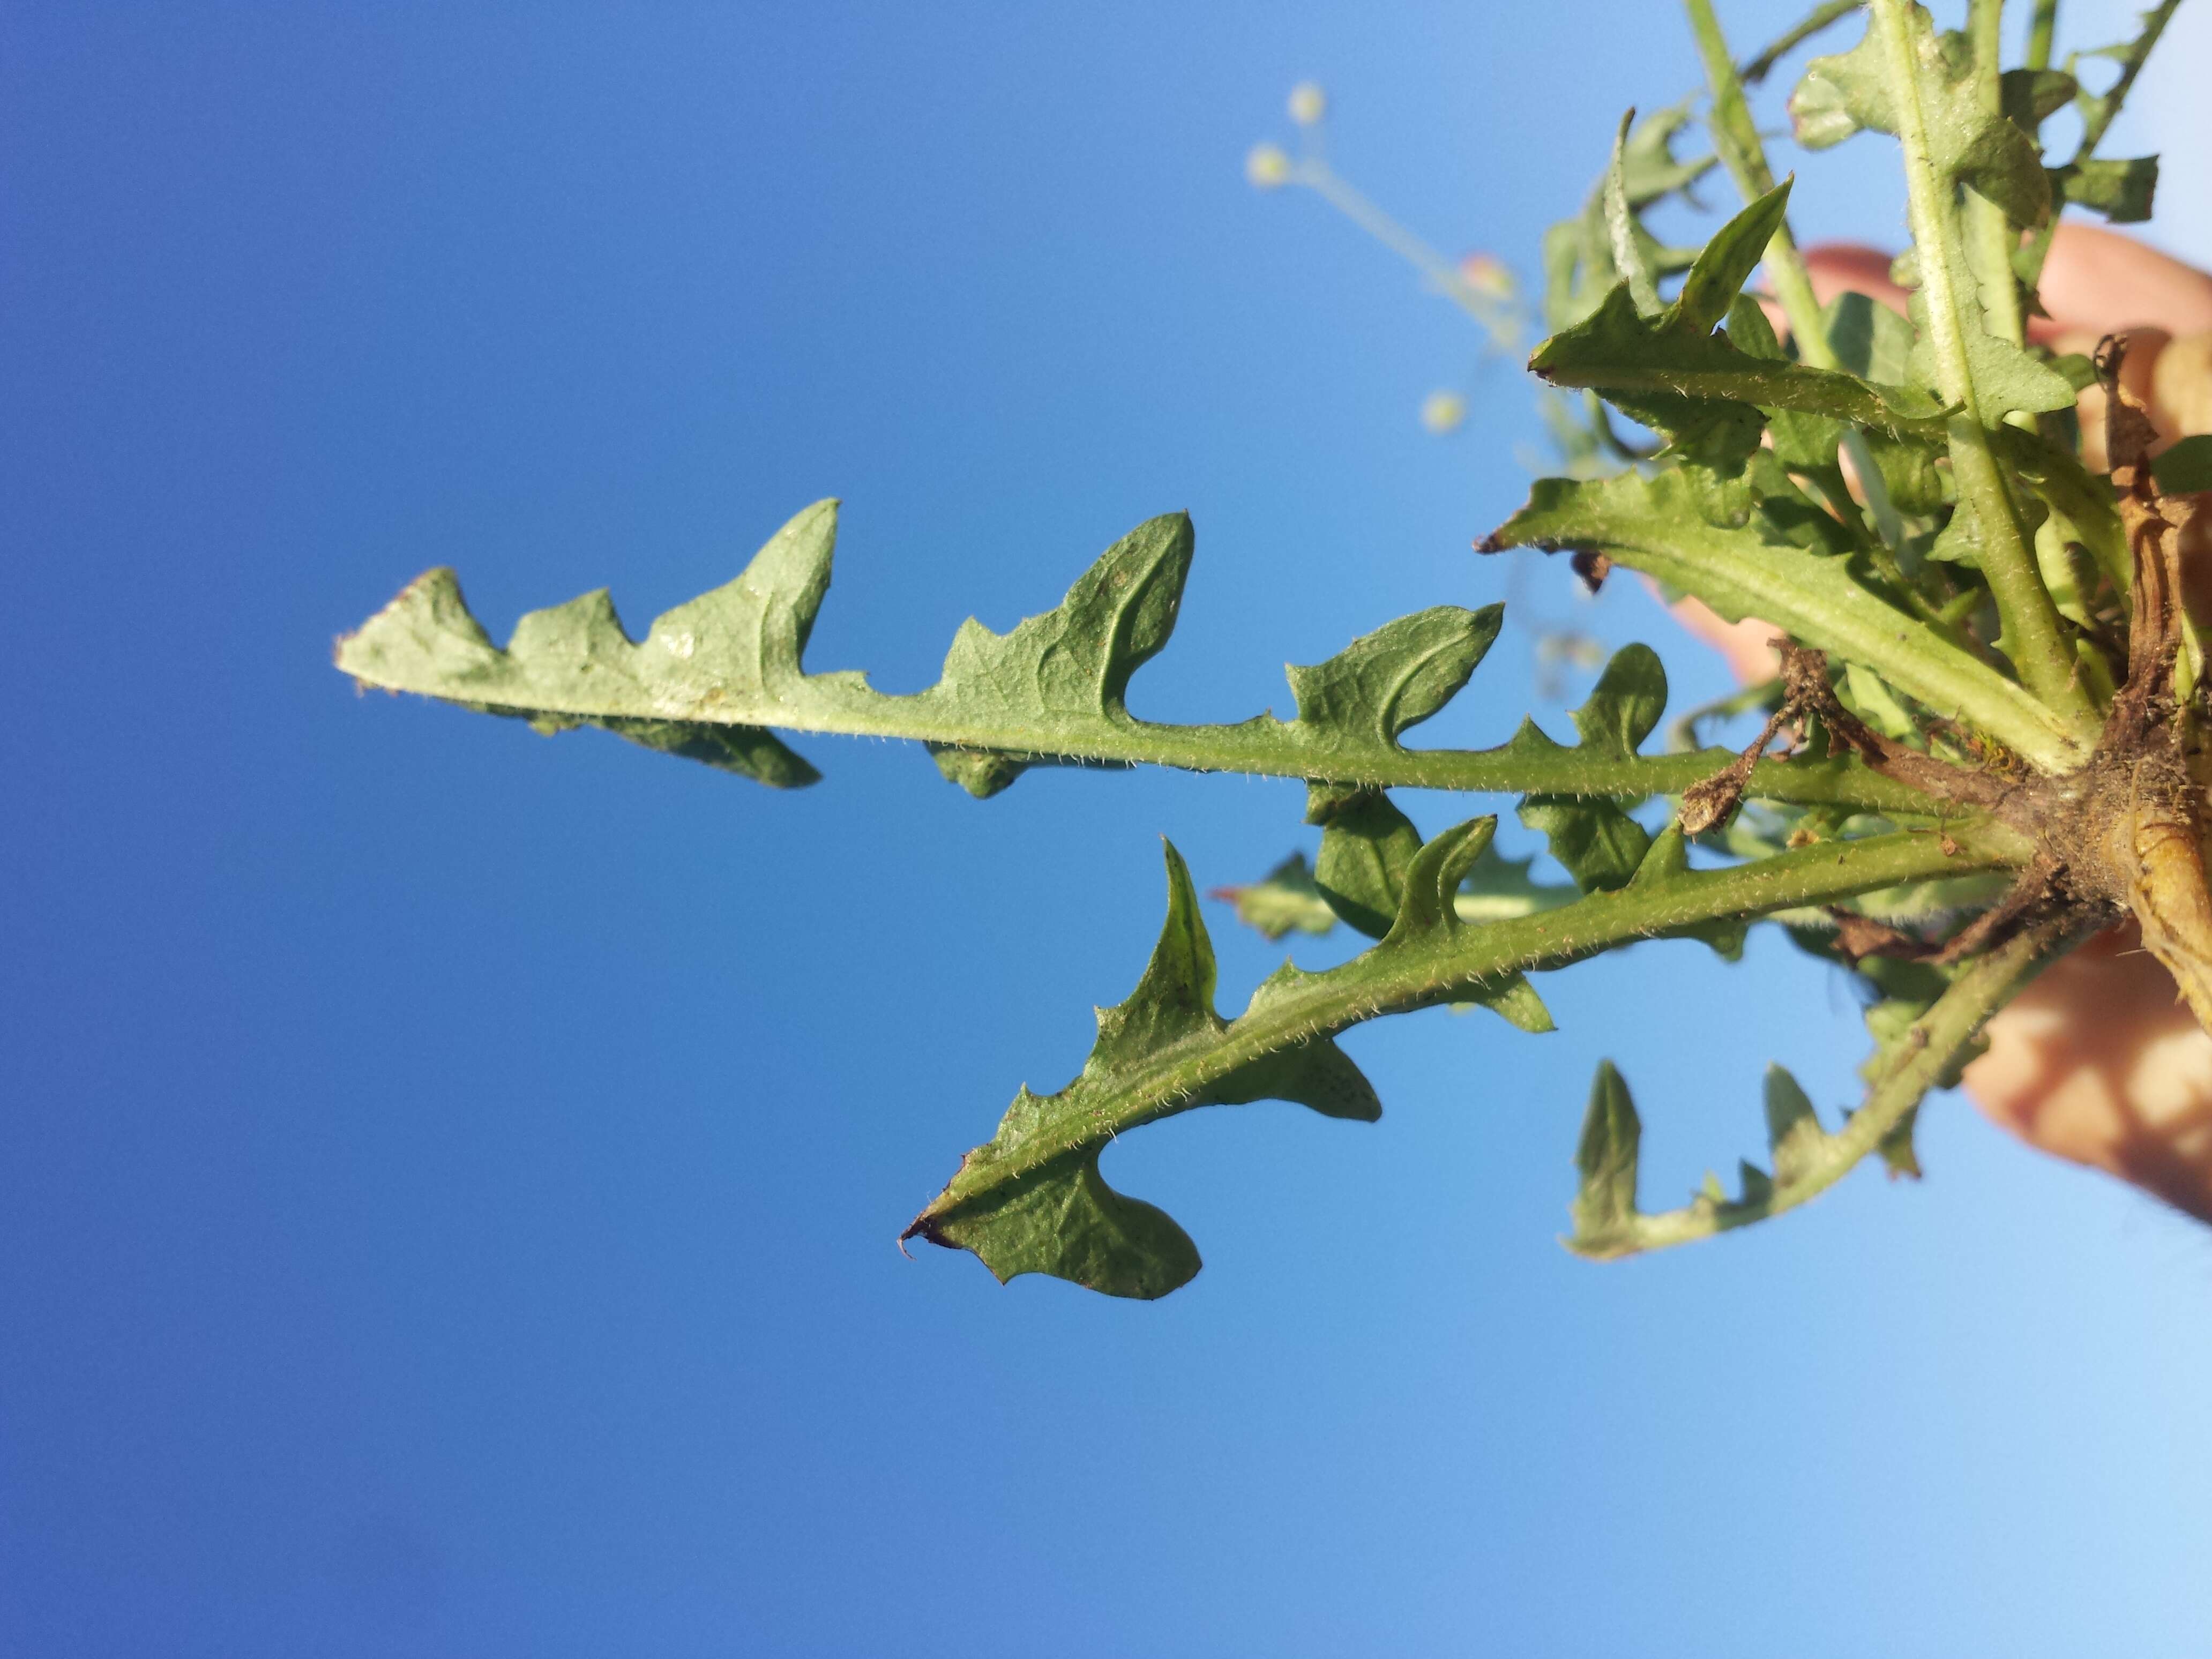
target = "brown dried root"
x: 2141, y: 806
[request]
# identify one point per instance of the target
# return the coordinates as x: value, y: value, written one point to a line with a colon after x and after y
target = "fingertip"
x: 2100, y: 280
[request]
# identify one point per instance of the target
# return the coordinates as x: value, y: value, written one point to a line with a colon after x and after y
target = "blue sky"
x: 451, y: 1176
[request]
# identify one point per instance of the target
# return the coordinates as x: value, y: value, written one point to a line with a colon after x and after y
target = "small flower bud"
x: 1309, y: 103
x: 1486, y: 275
x: 1443, y: 412
x: 1266, y: 167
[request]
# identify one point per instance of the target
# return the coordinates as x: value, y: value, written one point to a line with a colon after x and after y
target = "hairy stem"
x: 1992, y: 234
x: 426, y: 643
x: 2030, y: 620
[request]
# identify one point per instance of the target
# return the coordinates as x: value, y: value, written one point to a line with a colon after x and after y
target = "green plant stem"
x: 2098, y: 118
x: 1993, y: 237
x: 1818, y: 18
x: 1514, y: 768
x: 1907, y: 1070
x: 1736, y: 138
x: 2032, y: 637
x: 2041, y: 29
x: 1458, y: 963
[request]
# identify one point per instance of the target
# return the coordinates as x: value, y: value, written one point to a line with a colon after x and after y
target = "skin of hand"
x: 2097, y: 1061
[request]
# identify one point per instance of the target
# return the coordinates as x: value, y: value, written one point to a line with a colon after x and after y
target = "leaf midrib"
x: 1449, y: 964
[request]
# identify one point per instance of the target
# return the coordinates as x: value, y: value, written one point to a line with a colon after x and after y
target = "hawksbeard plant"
x: 1988, y: 713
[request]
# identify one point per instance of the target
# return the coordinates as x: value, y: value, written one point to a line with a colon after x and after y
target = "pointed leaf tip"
x: 1432, y: 879
x: 1793, y: 1129
x: 1624, y: 704
x: 1066, y: 1223
x: 1031, y: 1199
x: 1606, y: 1157
x: 1385, y: 683
x: 1725, y: 264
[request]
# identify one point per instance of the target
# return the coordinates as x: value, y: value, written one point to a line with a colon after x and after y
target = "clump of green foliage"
x: 1992, y: 691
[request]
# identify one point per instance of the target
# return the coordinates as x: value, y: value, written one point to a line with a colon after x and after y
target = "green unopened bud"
x: 1309, y: 103
x: 1266, y: 167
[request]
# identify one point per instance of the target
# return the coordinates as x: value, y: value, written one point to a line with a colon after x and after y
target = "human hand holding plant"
x: 2098, y: 1062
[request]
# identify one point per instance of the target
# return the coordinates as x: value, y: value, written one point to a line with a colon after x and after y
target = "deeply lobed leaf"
x: 1032, y: 1199
x: 1806, y: 1158
x: 711, y: 676
x: 1851, y: 92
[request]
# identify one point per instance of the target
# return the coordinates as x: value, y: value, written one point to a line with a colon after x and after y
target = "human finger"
x: 2098, y: 1063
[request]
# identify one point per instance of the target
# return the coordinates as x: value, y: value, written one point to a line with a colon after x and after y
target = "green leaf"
x: 1794, y: 1136
x: 1577, y: 253
x: 1600, y: 845
x: 1367, y: 846
x: 1068, y: 1223
x: 1625, y: 705
x: 2185, y: 467
x: 2006, y: 376
x: 2030, y: 97
x: 1688, y: 530
x: 1668, y: 378
x: 1909, y: 471
x: 1369, y: 694
x: 1054, y: 688
x: 1029, y: 1200
x: 1851, y: 92
x: 1727, y: 261
x: 747, y: 750
x: 1500, y: 888
x: 2082, y: 500
x: 2121, y: 191
x: 1870, y: 339
x: 1650, y: 170
x: 711, y: 676
x: 1621, y: 227
x: 1612, y: 1136
x: 1032, y: 1201
x: 1284, y: 901
x: 1808, y: 1160
x: 1669, y: 860
x: 1428, y: 917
